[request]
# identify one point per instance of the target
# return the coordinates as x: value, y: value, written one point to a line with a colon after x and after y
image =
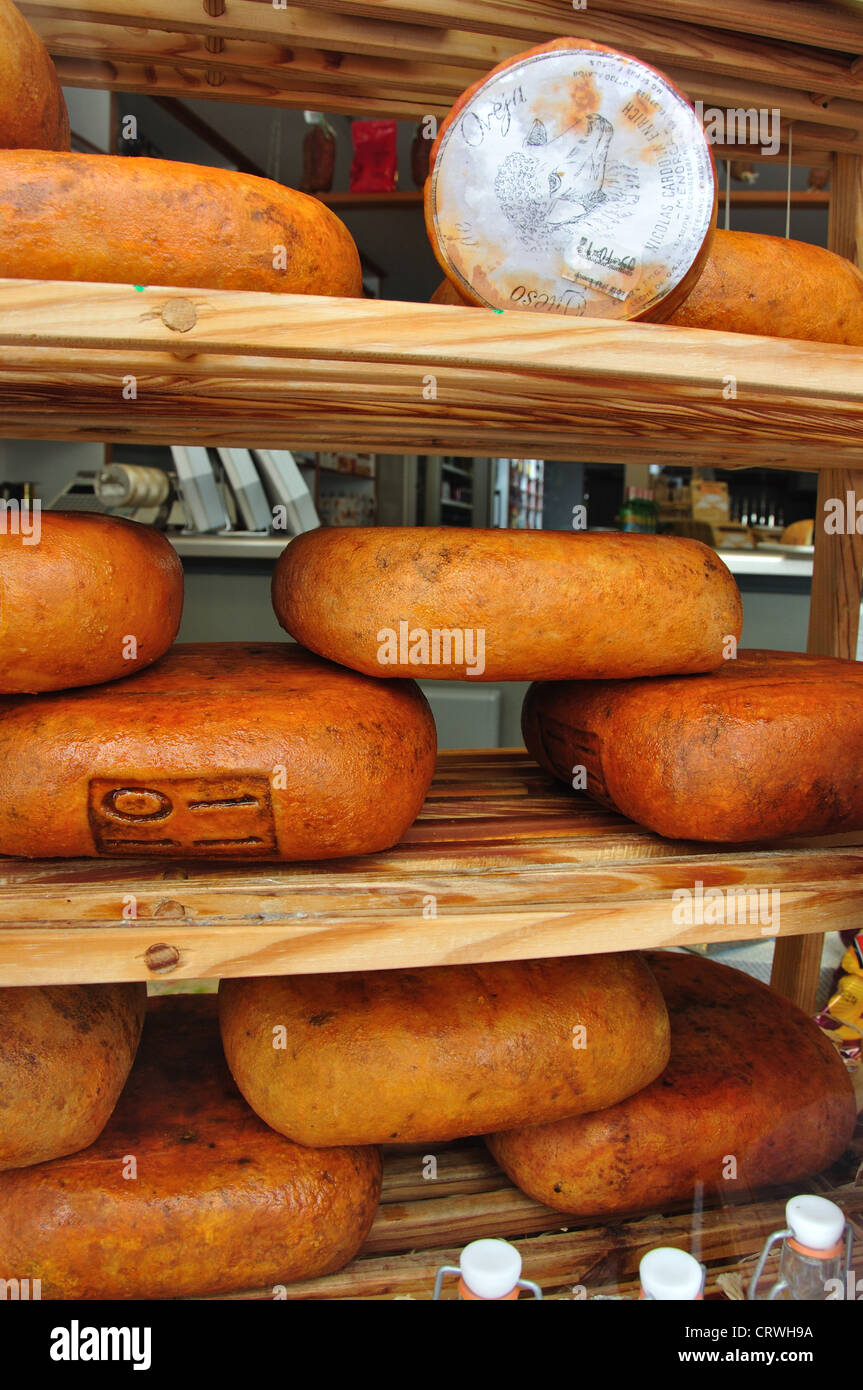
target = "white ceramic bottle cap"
x: 667, y: 1274
x: 572, y: 179
x: 814, y: 1221
x: 490, y: 1268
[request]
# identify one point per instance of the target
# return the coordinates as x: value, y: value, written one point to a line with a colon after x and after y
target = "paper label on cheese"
x: 576, y: 181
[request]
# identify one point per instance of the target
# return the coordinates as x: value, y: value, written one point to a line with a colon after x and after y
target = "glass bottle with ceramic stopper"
x: 815, y: 1256
x: 489, y: 1271
x: 669, y: 1274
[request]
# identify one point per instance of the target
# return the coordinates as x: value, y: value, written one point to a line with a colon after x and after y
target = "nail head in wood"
x: 179, y: 315
x: 160, y: 959
x: 169, y: 908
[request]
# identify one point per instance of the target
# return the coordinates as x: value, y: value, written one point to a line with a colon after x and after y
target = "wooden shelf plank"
x: 476, y: 45
x: 817, y: 131
x: 300, y: 371
x: 214, y: 84
x: 270, y: 64
x: 829, y: 25
x: 283, y: 37
x: 823, y: 24
x: 306, y: 26
x: 341, y: 57
x: 517, y: 868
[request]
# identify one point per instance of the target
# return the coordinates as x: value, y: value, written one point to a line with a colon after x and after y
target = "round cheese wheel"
x: 769, y: 745
x: 799, y: 533
x: 409, y: 1056
x: 33, y: 112
x: 83, y: 598
x: 220, y: 751
x: 778, y: 288
x: 446, y: 293
x: 572, y: 179
x: 65, y: 1053
x: 450, y: 604
x: 186, y: 1192
x: 766, y: 285
x: 157, y: 222
x: 754, y: 1095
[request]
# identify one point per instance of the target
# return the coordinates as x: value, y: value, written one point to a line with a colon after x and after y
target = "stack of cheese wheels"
x: 575, y: 179
x: 156, y: 222
x: 450, y: 604
x: 84, y: 598
x: 769, y: 745
x: 33, y: 113
x: 215, y: 1202
x: 754, y: 1095
x: 767, y: 285
x: 219, y: 751
x: 65, y: 1053
x: 405, y: 1056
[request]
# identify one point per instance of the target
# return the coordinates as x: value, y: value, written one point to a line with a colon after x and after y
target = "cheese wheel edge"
x: 744, y: 1083
x: 65, y: 1054
x: 140, y: 221
x: 33, y: 112
x: 528, y: 605
x: 436, y: 1053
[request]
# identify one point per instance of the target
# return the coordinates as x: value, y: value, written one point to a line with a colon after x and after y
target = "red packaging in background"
x: 374, y: 167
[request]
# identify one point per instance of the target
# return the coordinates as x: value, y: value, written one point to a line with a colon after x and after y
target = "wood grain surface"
x: 410, y: 59
x: 265, y: 370
x: 503, y: 864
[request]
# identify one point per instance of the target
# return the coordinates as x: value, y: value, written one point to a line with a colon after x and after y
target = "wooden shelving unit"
x: 404, y: 59
x: 516, y: 865
x: 262, y: 370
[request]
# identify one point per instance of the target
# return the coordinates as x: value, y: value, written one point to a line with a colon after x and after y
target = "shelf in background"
x: 233, y: 547
x: 516, y: 867
x: 768, y: 566
x: 253, y: 547
x: 262, y: 370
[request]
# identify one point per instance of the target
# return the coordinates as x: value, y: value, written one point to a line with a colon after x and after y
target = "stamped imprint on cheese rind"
x: 225, y: 817
x: 574, y: 181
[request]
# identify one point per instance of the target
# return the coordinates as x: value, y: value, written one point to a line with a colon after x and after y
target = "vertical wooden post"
x: 834, y: 610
